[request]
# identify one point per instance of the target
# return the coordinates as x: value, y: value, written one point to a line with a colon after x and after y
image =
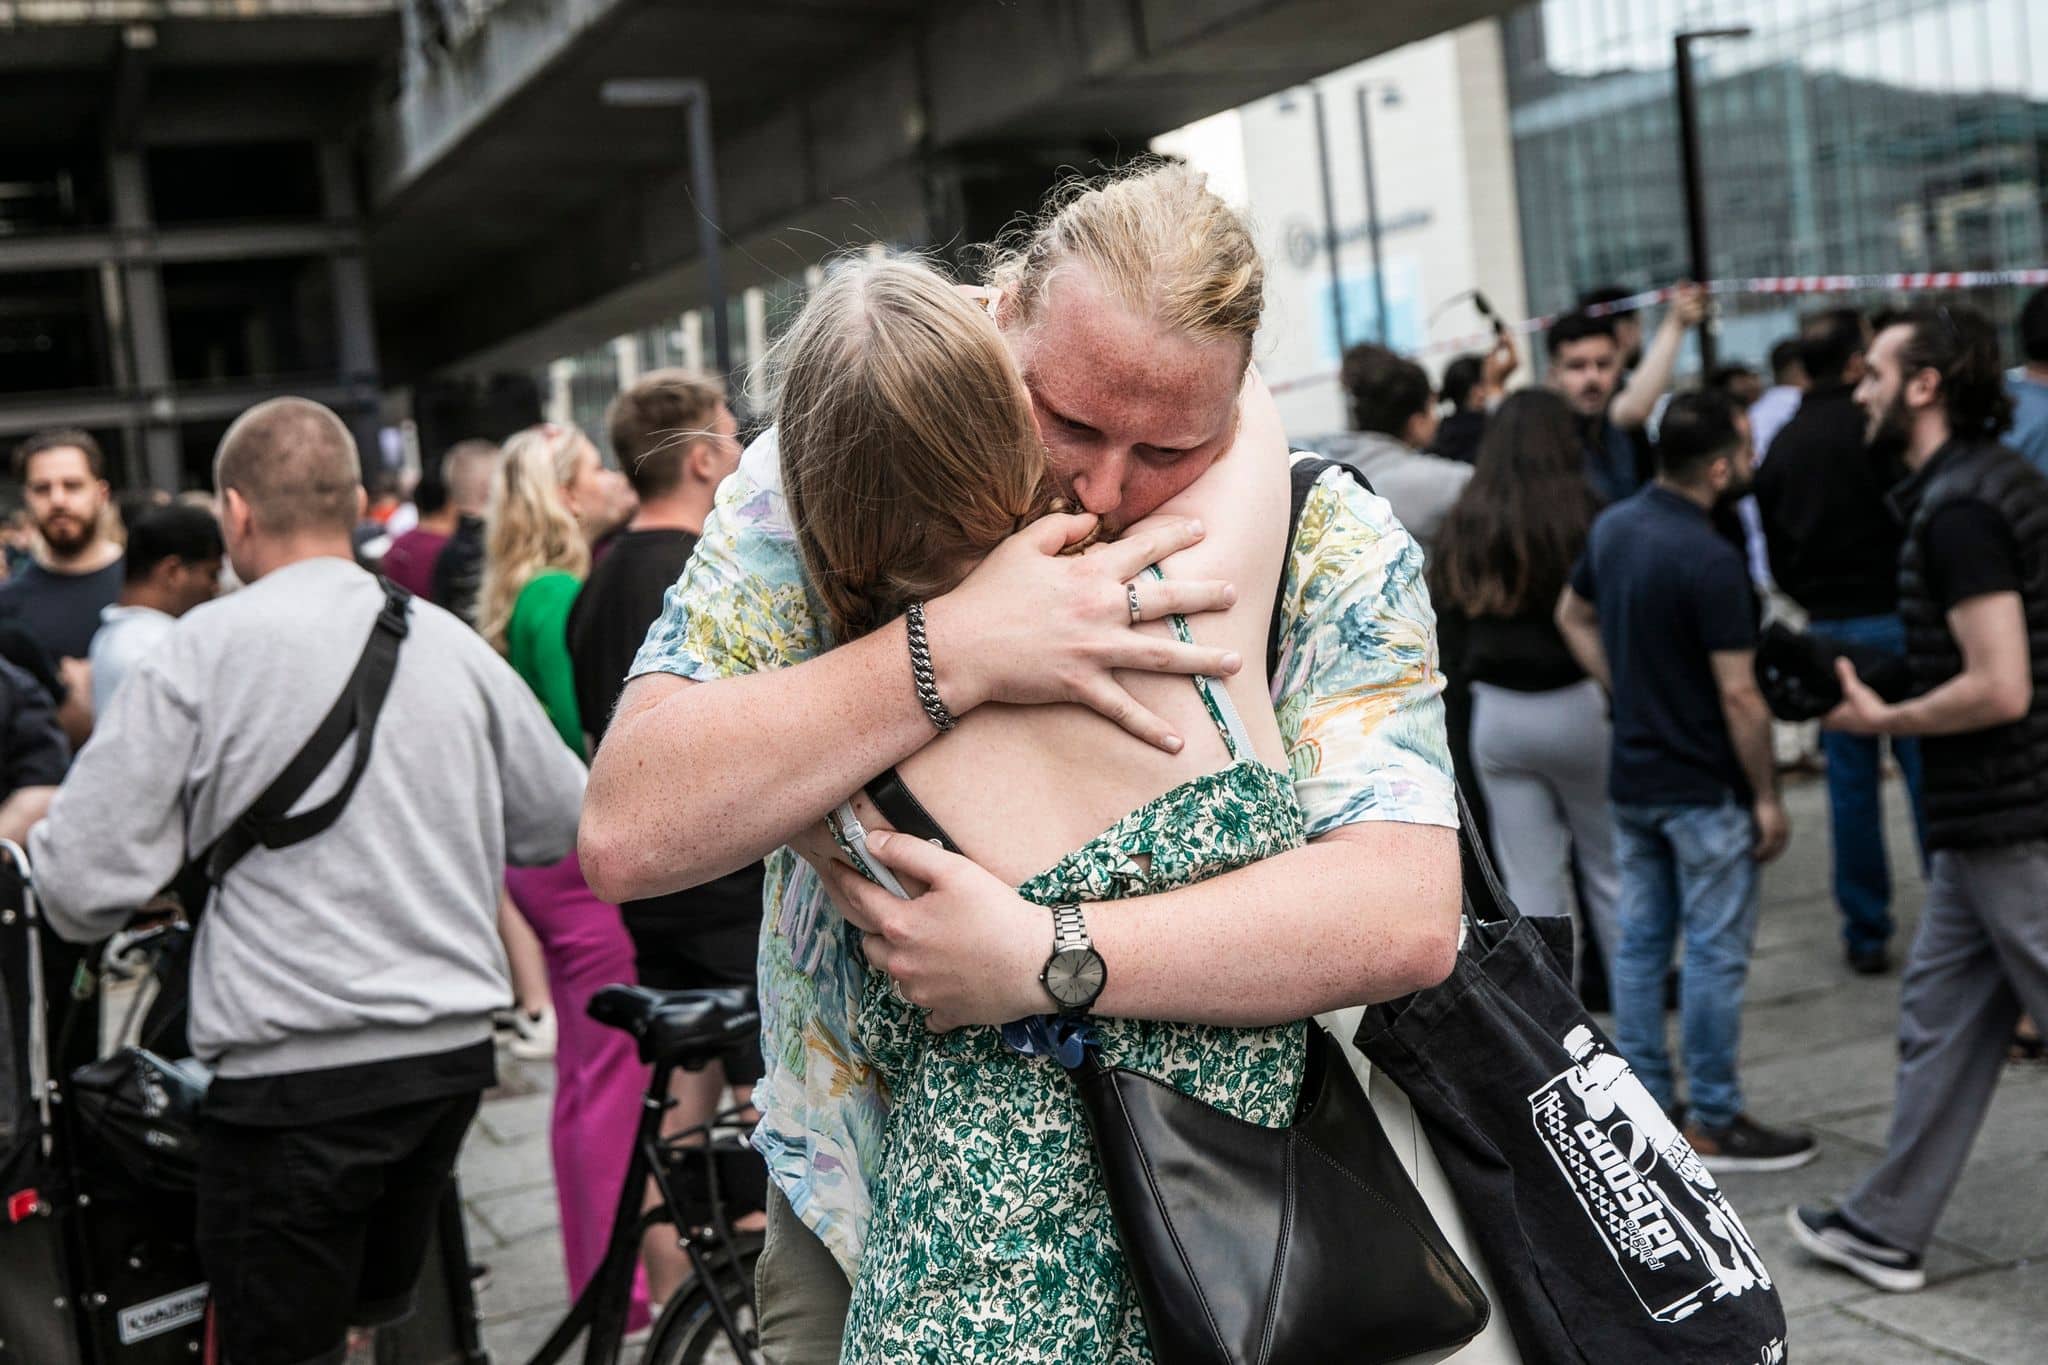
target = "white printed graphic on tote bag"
x: 1660, y: 1214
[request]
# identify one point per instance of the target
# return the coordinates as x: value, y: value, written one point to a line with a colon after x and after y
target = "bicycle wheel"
x: 688, y: 1331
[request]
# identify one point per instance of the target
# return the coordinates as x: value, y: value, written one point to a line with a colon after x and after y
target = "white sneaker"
x: 533, y: 1036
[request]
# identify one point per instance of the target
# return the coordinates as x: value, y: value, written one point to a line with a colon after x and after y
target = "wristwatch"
x: 1075, y: 973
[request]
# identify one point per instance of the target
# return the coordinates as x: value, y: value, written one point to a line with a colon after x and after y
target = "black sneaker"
x: 1746, y: 1145
x: 1834, y: 1239
x: 1870, y: 961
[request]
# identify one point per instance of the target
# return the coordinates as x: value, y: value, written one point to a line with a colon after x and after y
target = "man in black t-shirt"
x: 676, y: 441
x: 1660, y: 609
x: 60, y: 596
x: 1973, y: 593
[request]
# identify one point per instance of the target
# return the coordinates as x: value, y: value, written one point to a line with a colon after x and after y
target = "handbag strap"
x: 1488, y: 911
x: 268, y: 822
x: 906, y: 814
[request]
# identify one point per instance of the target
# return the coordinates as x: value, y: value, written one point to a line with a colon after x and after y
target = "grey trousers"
x: 1979, y: 959
x: 1542, y: 762
x: 800, y: 1293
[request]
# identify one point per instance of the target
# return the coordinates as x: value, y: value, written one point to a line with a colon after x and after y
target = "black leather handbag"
x: 1251, y: 1245
x: 1302, y: 1244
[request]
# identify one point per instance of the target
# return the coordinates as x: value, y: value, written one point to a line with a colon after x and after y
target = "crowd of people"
x: 1604, y: 619
x: 1027, y: 548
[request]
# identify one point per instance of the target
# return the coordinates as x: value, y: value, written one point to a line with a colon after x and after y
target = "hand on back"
x: 1032, y: 624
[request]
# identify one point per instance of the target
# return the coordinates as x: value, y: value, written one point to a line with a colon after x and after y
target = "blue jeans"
x: 1685, y: 869
x: 1862, y: 874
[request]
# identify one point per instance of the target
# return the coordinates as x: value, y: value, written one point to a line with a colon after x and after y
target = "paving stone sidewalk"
x: 1817, y: 1050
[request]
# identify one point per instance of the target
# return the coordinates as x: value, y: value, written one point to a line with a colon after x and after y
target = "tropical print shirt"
x: 1357, y: 693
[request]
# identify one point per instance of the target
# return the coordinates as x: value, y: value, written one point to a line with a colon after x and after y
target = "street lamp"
x: 1390, y: 96
x: 694, y: 98
x: 1689, y: 152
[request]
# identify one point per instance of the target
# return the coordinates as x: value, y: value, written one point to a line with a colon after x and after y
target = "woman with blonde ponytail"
x: 550, y: 491
x: 536, y: 554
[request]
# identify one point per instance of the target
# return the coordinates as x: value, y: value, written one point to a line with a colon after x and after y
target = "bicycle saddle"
x: 688, y: 1028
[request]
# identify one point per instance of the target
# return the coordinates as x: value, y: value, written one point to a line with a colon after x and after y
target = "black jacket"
x: 459, y: 569
x: 1833, y: 540
x: 1457, y: 437
x: 1988, y: 787
x: 33, y: 750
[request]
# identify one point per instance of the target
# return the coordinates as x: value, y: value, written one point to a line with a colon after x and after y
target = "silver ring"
x: 1131, y: 589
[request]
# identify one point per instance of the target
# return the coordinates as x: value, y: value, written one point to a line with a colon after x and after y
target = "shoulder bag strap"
x: 1488, y: 911
x: 1302, y: 477
x: 268, y: 821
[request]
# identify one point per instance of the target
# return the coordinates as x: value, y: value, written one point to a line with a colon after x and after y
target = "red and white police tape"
x: 1923, y: 281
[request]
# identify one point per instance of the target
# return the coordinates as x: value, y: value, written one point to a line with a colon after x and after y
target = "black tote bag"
x: 1607, y: 1239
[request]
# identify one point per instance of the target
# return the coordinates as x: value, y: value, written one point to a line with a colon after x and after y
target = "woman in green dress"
x: 909, y: 450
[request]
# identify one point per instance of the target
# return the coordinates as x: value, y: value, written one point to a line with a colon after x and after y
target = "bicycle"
x: 98, y: 1263
x: 686, y: 1030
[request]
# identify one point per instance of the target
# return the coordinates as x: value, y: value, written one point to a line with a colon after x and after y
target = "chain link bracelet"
x: 922, y: 673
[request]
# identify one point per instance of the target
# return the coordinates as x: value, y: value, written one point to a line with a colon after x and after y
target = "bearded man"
x: 77, y: 573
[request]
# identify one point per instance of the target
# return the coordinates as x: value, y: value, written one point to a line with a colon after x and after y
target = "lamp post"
x: 694, y: 98
x: 1689, y: 153
x: 1391, y: 95
x: 1329, y: 219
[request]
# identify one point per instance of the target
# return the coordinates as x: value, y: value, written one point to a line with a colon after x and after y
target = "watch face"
x: 1074, y: 977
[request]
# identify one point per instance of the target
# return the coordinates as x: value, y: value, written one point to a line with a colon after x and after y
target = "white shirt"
x: 126, y: 636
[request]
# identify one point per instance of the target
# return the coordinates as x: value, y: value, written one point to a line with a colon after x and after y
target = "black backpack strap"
x: 268, y: 822
x: 1487, y: 906
x: 1302, y: 477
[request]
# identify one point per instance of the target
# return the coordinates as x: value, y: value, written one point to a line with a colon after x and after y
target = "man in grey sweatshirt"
x: 342, y: 987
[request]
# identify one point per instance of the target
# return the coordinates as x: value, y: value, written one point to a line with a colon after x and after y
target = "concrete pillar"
x: 355, y: 324
x: 114, y: 325
x: 754, y: 309
x: 148, y: 335
x: 626, y: 357
x: 560, y: 407
x: 693, y: 339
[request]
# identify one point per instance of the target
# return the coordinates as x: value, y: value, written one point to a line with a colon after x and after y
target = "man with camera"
x: 1973, y: 592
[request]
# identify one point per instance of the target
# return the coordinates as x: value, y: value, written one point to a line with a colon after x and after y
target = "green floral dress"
x: 991, y: 1238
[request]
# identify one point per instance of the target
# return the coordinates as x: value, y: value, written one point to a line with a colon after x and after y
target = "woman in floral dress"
x: 909, y: 451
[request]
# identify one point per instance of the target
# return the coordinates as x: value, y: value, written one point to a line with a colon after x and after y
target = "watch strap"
x: 1069, y: 929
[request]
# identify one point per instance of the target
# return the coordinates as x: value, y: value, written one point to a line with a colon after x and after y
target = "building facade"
x: 180, y: 222
x: 1536, y: 157
x: 1838, y: 137
x: 1412, y: 149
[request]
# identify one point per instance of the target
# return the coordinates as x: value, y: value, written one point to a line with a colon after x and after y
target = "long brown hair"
x: 907, y: 443
x: 1510, y: 542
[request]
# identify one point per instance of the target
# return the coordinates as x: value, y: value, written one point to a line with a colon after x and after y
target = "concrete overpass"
x: 515, y: 217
